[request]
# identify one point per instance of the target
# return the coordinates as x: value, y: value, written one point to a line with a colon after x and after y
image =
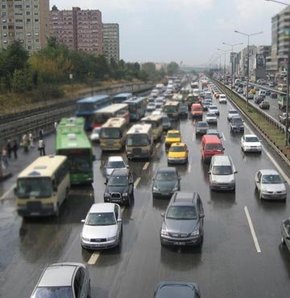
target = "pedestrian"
x: 9, y: 148
x: 41, y: 147
x: 4, y: 157
x: 40, y: 134
x: 15, y: 148
x: 25, y: 142
x: 30, y: 138
x: 55, y: 125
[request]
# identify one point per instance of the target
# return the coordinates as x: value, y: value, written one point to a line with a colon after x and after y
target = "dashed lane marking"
x: 5, y: 195
x: 223, y: 136
x: 146, y: 166
x: 93, y: 259
x: 157, y: 145
x: 258, y: 249
x: 137, y: 182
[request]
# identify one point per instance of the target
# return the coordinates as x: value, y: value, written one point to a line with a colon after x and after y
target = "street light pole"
x: 288, y: 69
x: 248, y: 59
x: 225, y: 52
x: 232, y: 48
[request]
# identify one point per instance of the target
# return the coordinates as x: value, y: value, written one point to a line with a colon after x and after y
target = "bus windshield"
x: 138, y: 140
x: 170, y: 109
x: 34, y: 187
x: 110, y: 133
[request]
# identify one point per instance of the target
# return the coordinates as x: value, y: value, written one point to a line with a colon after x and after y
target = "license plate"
x: 179, y: 243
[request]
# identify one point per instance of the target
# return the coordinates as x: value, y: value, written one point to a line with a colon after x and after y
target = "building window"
x: 28, y: 13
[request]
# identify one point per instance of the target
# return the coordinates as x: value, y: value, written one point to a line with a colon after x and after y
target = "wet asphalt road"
x: 227, y: 266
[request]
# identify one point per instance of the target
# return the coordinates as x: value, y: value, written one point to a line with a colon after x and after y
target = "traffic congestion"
x: 173, y: 192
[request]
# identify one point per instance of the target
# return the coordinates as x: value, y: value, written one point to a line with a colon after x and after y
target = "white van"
x: 222, y: 173
x: 262, y: 93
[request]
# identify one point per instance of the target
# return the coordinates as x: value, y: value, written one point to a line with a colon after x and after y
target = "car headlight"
x: 164, y: 233
x: 125, y: 194
x: 195, y: 232
x: 175, y: 188
x: 111, y: 238
x: 155, y: 188
x: 86, y: 239
x: 106, y: 194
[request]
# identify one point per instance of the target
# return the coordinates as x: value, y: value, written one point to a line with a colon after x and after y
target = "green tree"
x: 172, y: 68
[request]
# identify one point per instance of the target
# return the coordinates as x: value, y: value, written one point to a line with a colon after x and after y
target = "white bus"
x: 113, y: 134
x: 139, y: 142
x: 156, y: 122
x: 42, y: 187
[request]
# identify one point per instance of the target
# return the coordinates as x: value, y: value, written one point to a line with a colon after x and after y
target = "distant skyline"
x: 182, y: 30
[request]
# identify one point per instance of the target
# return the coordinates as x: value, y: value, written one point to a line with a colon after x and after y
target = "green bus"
x: 72, y: 141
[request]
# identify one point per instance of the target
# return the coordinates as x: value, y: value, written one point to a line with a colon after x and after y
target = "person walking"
x: 9, y: 148
x: 25, y: 142
x: 41, y: 147
x: 40, y: 134
x: 4, y: 158
x: 15, y: 148
x: 30, y: 139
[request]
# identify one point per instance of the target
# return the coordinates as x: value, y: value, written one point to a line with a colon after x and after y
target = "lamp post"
x: 248, y: 59
x: 225, y: 52
x: 232, y: 50
x: 288, y: 70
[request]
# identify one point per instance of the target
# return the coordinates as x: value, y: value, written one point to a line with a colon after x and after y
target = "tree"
x: 172, y: 68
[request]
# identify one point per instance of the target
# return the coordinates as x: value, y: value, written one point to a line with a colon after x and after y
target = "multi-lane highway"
x: 241, y: 255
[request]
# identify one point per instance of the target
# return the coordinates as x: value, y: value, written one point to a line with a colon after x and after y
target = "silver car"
x: 270, y: 185
x: 63, y: 280
x: 114, y: 162
x: 102, y: 227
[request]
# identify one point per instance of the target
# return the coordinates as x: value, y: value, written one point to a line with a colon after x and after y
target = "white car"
x: 213, y: 109
x: 114, y: 162
x: 211, y: 118
x: 222, y: 98
x: 270, y: 185
x: 232, y: 113
x: 95, y: 135
x: 102, y: 227
x: 251, y: 143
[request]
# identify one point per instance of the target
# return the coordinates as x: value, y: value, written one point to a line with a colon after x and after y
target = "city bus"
x: 113, y: 134
x: 87, y: 108
x: 42, y: 187
x: 137, y: 107
x: 156, y: 123
x: 113, y: 110
x: 139, y: 141
x: 72, y: 141
x: 121, y: 97
x: 171, y: 108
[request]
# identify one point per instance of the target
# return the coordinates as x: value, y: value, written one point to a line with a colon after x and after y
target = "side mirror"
x: 235, y: 172
x: 93, y: 157
x: 119, y: 220
x: 83, y: 220
x: 201, y: 215
x: 15, y: 191
x: 127, y: 166
x: 162, y: 214
x: 105, y: 182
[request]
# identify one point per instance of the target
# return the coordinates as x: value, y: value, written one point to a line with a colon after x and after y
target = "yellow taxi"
x: 173, y: 136
x: 177, y: 154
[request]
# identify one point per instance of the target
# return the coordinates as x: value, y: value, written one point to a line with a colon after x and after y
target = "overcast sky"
x: 181, y: 30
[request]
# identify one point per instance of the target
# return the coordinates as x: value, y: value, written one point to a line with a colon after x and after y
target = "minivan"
x: 196, y: 110
x: 222, y: 173
x: 210, y: 146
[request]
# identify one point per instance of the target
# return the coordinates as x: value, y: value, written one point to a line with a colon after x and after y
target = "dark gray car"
x: 183, y: 221
x: 236, y: 124
x: 173, y: 289
x: 165, y: 182
x: 201, y: 127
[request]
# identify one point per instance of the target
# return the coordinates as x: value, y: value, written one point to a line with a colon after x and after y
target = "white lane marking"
x: 137, y: 182
x: 258, y: 249
x: 280, y: 170
x: 223, y: 136
x: 93, y: 259
x: 157, y: 145
x: 146, y: 166
x: 189, y: 168
x: 5, y: 195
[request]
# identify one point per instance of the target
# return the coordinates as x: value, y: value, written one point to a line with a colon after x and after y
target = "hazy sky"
x: 181, y: 30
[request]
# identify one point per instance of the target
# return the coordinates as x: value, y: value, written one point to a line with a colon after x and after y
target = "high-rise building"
x: 26, y: 21
x: 280, y: 41
x: 79, y: 30
x: 111, y: 41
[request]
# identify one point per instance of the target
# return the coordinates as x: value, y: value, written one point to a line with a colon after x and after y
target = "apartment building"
x: 26, y: 21
x: 79, y: 30
x: 111, y: 41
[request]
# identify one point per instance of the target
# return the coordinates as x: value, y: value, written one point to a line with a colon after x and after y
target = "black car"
x: 173, y: 289
x: 236, y: 124
x: 258, y: 99
x: 165, y: 182
x: 183, y: 111
x: 120, y: 187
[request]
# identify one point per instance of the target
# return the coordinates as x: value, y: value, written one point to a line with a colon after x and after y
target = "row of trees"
x: 56, y: 65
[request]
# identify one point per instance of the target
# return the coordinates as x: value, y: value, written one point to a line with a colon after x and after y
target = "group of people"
x: 7, y: 151
x: 28, y: 142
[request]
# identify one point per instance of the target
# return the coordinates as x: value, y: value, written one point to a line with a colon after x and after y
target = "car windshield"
x: 116, y: 164
x: 53, y: 292
x: 118, y: 180
x: 237, y: 120
x: 181, y: 212
x: 177, y: 149
x: 233, y: 112
x: 101, y: 219
x: 202, y: 124
x: 222, y: 170
x: 210, y: 115
x: 251, y: 139
x: 166, y: 176
x: 217, y: 147
x: 271, y: 179
x: 173, y: 135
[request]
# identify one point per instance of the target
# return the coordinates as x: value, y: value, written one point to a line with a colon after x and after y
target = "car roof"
x: 115, y: 158
x: 211, y: 139
x: 59, y: 274
x: 102, y: 207
x: 167, y: 170
x: 182, y: 286
x: 250, y: 136
x: 269, y: 172
x: 223, y: 160
x: 233, y: 110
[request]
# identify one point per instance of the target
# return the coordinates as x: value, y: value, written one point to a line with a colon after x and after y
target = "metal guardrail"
x: 232, y: 95
x: 44, y: 118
